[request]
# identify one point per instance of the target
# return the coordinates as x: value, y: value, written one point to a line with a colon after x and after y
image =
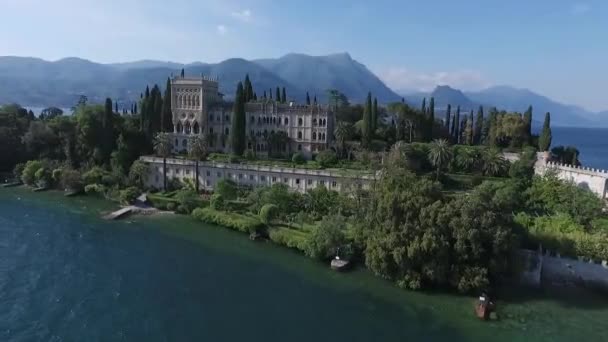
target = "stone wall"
x: 593, y: 179
x: 210, y: 173
x: 566, y: 271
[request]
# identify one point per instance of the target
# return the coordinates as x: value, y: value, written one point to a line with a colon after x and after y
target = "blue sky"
x: 558, y: 48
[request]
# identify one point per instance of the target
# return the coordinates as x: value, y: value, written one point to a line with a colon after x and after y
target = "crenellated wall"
x: 595, y: 180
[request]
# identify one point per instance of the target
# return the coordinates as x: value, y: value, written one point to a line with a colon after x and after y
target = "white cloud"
x: 244, y: 15
x: 406, y: 80
x: 222, y: 29
x: 580, y: 8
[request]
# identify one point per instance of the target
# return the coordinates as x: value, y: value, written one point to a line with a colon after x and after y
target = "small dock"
x: 119, y: 213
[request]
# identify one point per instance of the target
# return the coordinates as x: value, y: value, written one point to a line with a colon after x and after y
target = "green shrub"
x: 327, y: 158
x: 128, y: 195
x: 171, y: 206
x: 326, y: 238
x: 227, y: 189
x: 289, y: 238
x: 71, y: 180
x: 188, y: 201
x: 95, y: 189
x: 162, y: 202
x: 28, y: 175
x: 94, y: 176
x: 56, y: 175
x: 43, y: 177
x: 18, y: 172
x: 242, y: 223
x: 217, y: 202
x: 268, y: 213
x: 298, y: 158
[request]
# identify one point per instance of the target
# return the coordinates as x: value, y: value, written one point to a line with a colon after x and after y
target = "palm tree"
x: 343, y: 132
x: 440, y: 154
x: 493, y: 162
x: 467, y: 159
x: 162, y: 148
x: 197, y: 150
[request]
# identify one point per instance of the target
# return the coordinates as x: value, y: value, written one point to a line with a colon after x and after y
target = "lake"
x: 591, y: 142
x: 66, y: 275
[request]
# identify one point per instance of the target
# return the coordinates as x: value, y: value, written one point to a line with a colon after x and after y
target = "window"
x: 177, y: 171
x: 229, y: 175
x: 309, y: 182
x: 219, y: 175
x: 227, y: 131
x: 252, y: 120
x: 211, y: 117
x: 227, y: 118
x: 263, y: 178
x: 314, y: 122
x: 176, y: 143
x: 274, y: 179
x: 285, y: 180
x: 187, y: 172
x: 334, y: 184
x: 298, y: 181
x: 208, y: 173
x: 286, y: 121
x: 208, y: 182
x: 251, y: 177
x: 240, y: 176
x: 185, y: 143
x: 322, y: 183
x: 210, y: 130
x: 299, y: 147
x: 300, y: 122
x: 314, y: 135
x: 299, y: 134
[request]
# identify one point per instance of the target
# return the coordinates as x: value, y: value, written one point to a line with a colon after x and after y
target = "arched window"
x: 274, y: 120
x: 227, y: 118
x: 286, y: 121
x: 323, y: 137
x: 314, y: 122
x: 324, y: 122
x: 279, y: 120
x: 314, y: 135
x: 299, y: 147
x: 252, y: 119
x: 299, y: 134
x: 210, y: 117
x: 176, y: 143
x: 185, y: 143
x: 227, y: 131
x: 180, y: 128
x: 210, y: 130
x: 187, y: 128
x: 195, y: 128
x: 300, y: 122
x: 259, y: 120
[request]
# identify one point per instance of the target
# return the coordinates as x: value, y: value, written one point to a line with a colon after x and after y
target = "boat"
x: 338, y: 264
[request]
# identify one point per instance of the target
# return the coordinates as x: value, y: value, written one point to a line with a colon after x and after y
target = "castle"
x: 273, y: 128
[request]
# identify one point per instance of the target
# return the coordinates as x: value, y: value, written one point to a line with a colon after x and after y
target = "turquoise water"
x: 66, y: 275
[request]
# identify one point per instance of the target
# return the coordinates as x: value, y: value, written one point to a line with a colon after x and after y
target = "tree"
x: 197, y: 150
x: 479, y: 122
x: 493, y: 127
x: 457, y: 131
x: 162, y: 148
x: 544, y: 141
x: 50, y: 113
x: 431, y: 119
x: 448, y: 114
x: 238, y: 122
x: 268, y: 213
x: 166, y: 118
x: 367, y: 121
x: 28, y: 176
x: 283, y: 96
x: 326, y: 158
x: 307, y: 99
x: 182, y: 73
x: 528, y: 124
x: 326, y: 239
x: 493, y: 162
x: 440, y: 154
x: 423, y: 108
x: 248, y: 89
x: 374, y: 120
x: 469, y: 130
x: 227, y: 189
x: 278, y: 95
x: 343, y: 133
x: 138, y: 173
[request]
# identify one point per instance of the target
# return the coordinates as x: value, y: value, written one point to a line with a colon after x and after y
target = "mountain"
x: 514, y: 99
x: 317, y: 74
x: 38, y: 83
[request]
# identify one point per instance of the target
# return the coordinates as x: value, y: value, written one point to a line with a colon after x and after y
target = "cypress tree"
x: 166, y: 118
x: 158, y: 110
x: 431, y: 119
x: 265, y: 95
x: 457, y: 126
x: 528, y: 124
x: 307, y: 99
x: 544, y: 141
x: 374, y: 116
x: 255, y: 96
x: 278, y: 95
x: 284, y: 96
x: 463, y: 126
x: 423, y: 109
x: 493, y: 127
x: 270, y: 93
x: 315, y: 100
x: 238, y: 122
x: 182, y: 73
x: 470, y: 130
x: 116, y: 107
x: 248, y: 88
x: 448, y: 115
x: 478, y: 126
x: 135, y: 108
x: 367, y: 120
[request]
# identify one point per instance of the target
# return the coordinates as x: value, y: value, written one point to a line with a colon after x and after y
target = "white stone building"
x: 250, y: 175
x: 272, y: 128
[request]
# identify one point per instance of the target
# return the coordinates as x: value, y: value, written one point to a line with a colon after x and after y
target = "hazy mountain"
x: 146, y: 64
x: 317, y: 74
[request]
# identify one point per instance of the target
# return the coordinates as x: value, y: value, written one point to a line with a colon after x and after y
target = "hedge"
x: 289, y: 237
x: 235, y: 221
x: 161, y: 202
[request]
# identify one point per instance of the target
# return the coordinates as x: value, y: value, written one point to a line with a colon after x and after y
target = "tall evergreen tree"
x: 367, y: 121
x: 182, y: 74
x: 448, y: 115
x: 453, y: 127
x: 544, y: 141
x: 255, y: 96
x: 431, y: 119
x: 135, y: 108
x: 278, y: 95
x: 528, y: 123
x: 315, y: 100
x: 462, y: 131
x: 374, y: 120
x: 457, y: 132
x: 116, y: 107
x: 270, y: 93
x: 307, y: 99
x: 238, y: 122
x: 158, y: 109
x: 248, y: 88
x: 166, y: 118
x: 265, y: 95
x: 492, y: 139
x: 283, y: 96
x: 478, y: 126
x: 470, y: 130
x: 106, y: 138
x: 423, y: 109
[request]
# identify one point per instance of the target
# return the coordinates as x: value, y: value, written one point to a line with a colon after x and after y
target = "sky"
x: 558, y: 48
